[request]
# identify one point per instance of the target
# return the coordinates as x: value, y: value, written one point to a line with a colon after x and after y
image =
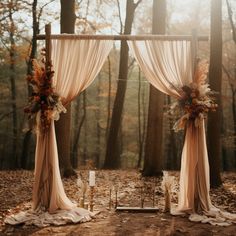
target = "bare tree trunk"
x: 172, y: 160
x: 140, y: 130
x: 173, y: 157
x: 98, y: 117
x: 234, y: 120
x: 215, y: 74
x: 25, y: 154
x: 85, y: 128
x: 76, y: 134
x: 63, y: 140
x: 109, y: 97
x: 12, y: 52
x: 230, y: 13
x: 233, y: 105
x: 112, y: 158
x: 64, y: 124
x: 144, y: 118
x: 153, y: 162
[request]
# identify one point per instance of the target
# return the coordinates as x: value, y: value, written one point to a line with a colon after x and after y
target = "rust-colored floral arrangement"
x: 196, y: 99
x: 44, y: 103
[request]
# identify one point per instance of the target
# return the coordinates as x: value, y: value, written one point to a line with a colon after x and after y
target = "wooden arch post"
x: 48, y: 47
x: 194, y: 49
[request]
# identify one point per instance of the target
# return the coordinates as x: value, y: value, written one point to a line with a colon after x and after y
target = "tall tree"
x: 172, y: 160
x: 77, y: 129
x: 9, y: 34
x: 98, y: 118
x: 230, y: 78
x: 27, y: 137
x: 109, y: 96
x: 85, y: 126
x: 153, y: 147
x: 12, y: 53
x: 233, y: 105
x: 112, y: 158
x: 82, y: 123
x: 141, y: 122
x: 215, y: 76
x: 63, y: 125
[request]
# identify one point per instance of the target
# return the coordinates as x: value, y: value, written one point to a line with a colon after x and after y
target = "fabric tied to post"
x: 168, y: 66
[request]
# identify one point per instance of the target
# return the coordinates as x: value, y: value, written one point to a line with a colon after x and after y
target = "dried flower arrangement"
x: 44, y: 103
x: 196, y: 100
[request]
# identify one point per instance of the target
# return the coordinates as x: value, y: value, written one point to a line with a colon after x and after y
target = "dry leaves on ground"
x: 16, y: 192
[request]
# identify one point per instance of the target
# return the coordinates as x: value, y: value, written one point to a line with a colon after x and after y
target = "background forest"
x: 91, y: 113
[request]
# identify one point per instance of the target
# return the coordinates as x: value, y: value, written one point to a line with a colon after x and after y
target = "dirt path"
x: 122, y: 224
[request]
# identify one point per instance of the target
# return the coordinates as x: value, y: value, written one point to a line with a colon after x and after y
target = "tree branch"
x: 5, y: 45
x: 4, y: 17
x: 230, y: 13
x: 119, y: 13
x: 26, y: 2
x: 41, y: 9
x: 137, y: 3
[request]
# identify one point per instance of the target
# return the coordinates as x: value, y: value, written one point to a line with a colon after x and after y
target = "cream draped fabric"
x: 76, y: 64
x: 167, y: 65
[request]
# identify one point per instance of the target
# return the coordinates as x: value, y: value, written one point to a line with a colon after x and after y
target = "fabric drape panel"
x: 194, y: 174
x: 48, y: 188
x: 76, y: 64
x: 167, y: 65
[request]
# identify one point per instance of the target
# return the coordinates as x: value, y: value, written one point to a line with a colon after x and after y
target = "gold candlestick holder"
x: 81, y: 202
x: 167, y: 201
x: 116, y: 195
x: 110, y: 203
x: 167, y: 185
x: 142, y: 196
x: 91, y: 203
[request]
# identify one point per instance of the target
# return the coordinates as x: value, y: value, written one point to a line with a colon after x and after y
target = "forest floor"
x: 16, y: 189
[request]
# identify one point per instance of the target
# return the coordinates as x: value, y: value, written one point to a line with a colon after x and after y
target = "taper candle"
x: 91, y: 178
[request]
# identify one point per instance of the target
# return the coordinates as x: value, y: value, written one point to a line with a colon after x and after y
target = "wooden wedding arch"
x: 48, y: 191
x: 189, y: 191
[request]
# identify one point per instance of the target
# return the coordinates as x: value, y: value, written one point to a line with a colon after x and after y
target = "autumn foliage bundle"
x: 44, y: 103
x: 196, y: 99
